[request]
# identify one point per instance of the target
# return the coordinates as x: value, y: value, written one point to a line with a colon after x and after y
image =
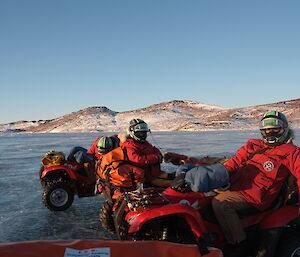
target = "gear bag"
x: 115, y: 168
x: 53, y: 158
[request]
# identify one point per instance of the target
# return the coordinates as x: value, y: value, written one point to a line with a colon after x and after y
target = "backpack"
x: 53, y: 158
x: 115, y: 168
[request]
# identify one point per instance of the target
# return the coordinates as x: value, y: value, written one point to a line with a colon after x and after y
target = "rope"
x: 155, y: 143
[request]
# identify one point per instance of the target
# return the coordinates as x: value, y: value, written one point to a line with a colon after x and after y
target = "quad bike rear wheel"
x: 58, y: 196
x: 289, y: 245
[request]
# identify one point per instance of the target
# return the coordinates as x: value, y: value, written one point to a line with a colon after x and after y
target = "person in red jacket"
x: 143, y: 154
x: 257, y: 173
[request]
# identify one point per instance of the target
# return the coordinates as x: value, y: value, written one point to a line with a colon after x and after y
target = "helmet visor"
x: 271, y: 123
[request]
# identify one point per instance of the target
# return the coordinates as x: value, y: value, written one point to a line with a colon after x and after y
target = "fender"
x: 192, y: 217
x: 280, y: 217
x: 175, y: 196
x: 69, y: 171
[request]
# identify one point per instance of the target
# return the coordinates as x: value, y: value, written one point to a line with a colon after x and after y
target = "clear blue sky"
x: 60, y: 56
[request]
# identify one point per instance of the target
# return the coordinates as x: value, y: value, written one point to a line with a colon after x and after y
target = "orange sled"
x: 96, y: 248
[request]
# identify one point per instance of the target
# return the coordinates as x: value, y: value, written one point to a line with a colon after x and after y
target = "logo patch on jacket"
x: 268, y: 166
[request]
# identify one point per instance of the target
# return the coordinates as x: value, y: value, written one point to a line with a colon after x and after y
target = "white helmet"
x: 138, y: 130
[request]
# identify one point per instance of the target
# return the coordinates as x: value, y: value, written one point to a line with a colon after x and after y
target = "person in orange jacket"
x: 103, y: 145
x: 143, y: 154
x: 100, y: 146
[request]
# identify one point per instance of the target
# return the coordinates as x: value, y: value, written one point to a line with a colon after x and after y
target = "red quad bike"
x: 62, y: 179
x: 169, y: 215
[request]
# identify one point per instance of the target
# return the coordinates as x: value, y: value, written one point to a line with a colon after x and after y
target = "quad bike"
x: 62, y: 179
x: 170, y: 215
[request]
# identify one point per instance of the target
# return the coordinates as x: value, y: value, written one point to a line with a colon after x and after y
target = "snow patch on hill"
x: 167, y: 116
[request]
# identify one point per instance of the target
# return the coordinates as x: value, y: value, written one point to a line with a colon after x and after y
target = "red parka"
x: 143, y: 155
x: 94, y: 150
x: 259, y: 175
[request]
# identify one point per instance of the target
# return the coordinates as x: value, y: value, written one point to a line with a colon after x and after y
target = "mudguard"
x: 191, y: 198
x: 68, y: 170
x: 280, y: 217
x: 193, y: 218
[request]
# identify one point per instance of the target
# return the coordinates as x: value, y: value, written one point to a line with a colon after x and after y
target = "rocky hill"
x: 168, y: 116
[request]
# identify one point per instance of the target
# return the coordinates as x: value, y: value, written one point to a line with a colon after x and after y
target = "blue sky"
x: 61, y: 56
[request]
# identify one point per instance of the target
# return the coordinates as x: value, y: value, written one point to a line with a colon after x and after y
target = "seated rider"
x: 257, y: 173
x: 102, y: 145
x: 144, y: 155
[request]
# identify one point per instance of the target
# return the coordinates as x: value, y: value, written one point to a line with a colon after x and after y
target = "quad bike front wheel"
x: 58, y: 196
x: 289, y: 245
x: 106, y: 217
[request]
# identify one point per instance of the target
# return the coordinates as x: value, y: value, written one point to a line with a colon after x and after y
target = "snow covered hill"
x: 168, y: 116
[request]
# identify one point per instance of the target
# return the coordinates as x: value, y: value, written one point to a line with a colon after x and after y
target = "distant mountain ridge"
x: 176, y: 115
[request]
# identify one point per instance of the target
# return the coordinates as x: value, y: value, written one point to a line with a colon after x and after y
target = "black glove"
x: 179, y: 184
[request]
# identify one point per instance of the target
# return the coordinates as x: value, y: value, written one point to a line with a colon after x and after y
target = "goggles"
x: 271, y: 123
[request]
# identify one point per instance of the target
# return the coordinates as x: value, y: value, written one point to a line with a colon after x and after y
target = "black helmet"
x: 105, y: 145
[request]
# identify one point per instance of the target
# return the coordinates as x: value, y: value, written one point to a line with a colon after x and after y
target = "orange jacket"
x: 115, y: 167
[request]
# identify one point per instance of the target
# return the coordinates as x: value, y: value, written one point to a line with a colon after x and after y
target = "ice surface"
x: 22, y: 214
